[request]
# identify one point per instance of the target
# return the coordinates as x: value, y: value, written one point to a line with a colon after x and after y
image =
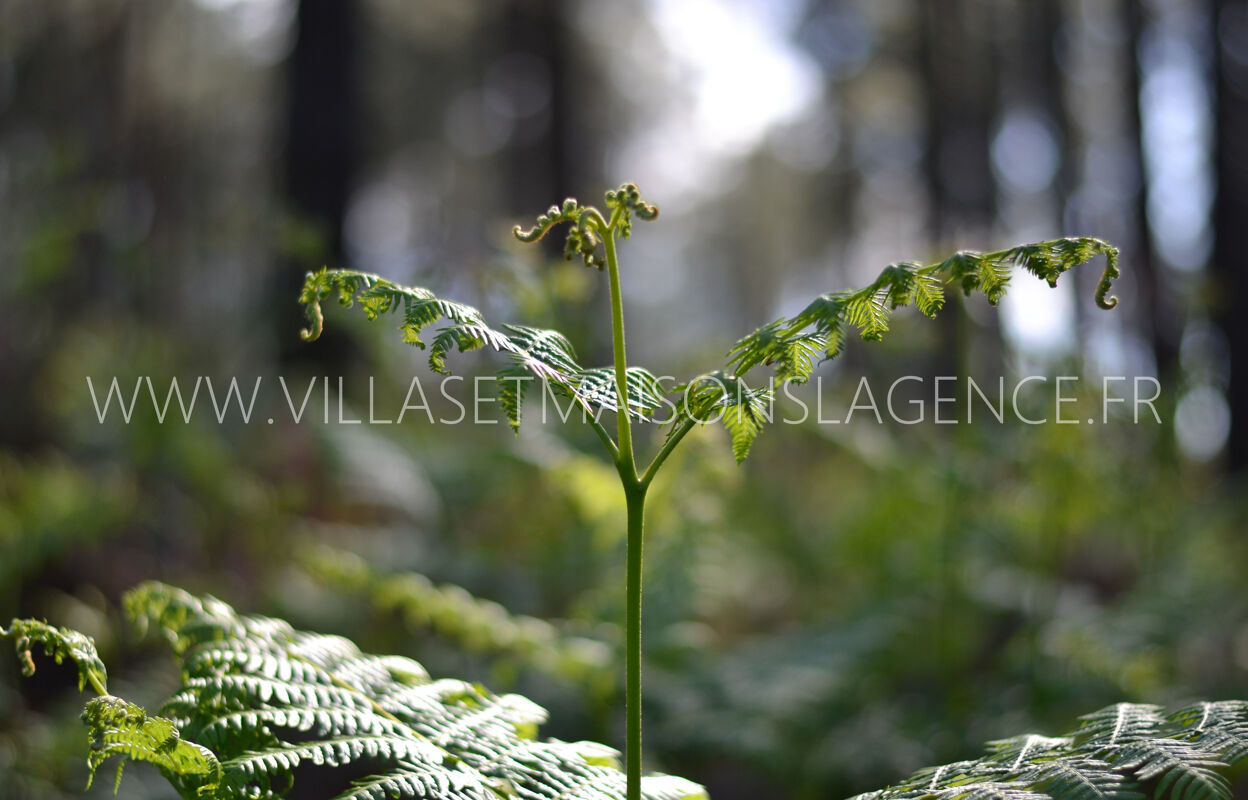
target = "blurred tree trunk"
x: 1155, y: 305
x: 1231, y: 212
x: 322, y: 117
x: 540, y: 168
x: 960, y: 88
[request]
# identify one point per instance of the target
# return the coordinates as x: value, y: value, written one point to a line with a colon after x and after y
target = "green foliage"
x: 1123, y: 752
x: 794, y: 346
x: 476, y: 625
x: 263, y: 708
x: 60, y: 644
x: 532, y: 353
x: 120, y: 728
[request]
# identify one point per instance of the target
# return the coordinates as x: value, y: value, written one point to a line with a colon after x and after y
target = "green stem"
x: 636, y: 503
x: 661, y: 456
x: 635, y: 499
x: 624, y: 460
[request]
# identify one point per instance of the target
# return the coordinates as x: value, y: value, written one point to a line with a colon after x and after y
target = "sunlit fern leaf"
x: 1183, y: 770
x: 994, y: 277
x: 963, y: 269
x: 273, y: 703
x: 867, y: 310
x: 118, y: 727
x: 796, y: 357
x: 513, y: 381
x: 465, y: 338
x: 1037, y: 259
x: 899, y: 284
x: 60, y: 644
x: 545, y: 354
x: 534, y: 354
x: 424, y: 765
x: 1018, y: 751
x: 757, y: 347
x: 249, y: 729
x: 1123, y: 752
x: 645, y: 393
x: 929, y: 294
x: 1116, y: 724
x: 550, y: 347
x: 718, y: 397
x: 990, y: 790
x: 1072, y: 778
x: 793, y: 356
x: 745, y: 412
x: 1218, y: 727
x: 834, y: 337
x: 931, y: 779
x: 411, y: 781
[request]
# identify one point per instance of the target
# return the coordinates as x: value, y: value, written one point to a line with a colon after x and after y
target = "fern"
x: 263, y: 707
x: 532, y: 353
x: 120, y: 728
x: 1123, y: 752
x: 794, y: 346
x: 60, y: 644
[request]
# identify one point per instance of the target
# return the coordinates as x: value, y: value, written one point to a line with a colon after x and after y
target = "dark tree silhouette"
x: 1231, y: 213
x: 321, y: 144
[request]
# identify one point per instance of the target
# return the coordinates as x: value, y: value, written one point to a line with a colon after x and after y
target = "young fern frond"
x: 794, y: 346
x: 904, y: 283
x: 60, y: 644
x: 532, y: 353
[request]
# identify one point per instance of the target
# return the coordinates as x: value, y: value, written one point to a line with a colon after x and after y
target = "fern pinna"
x: 794, y: 346
x: 264, y: 709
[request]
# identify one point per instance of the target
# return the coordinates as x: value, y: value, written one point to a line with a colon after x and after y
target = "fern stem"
x: 672, y: 441
x: 624, y: 459
x: 612, y: 451
x: 635, y: 502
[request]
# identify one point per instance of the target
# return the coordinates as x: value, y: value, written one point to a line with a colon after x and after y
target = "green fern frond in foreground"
x: 263, y: 708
